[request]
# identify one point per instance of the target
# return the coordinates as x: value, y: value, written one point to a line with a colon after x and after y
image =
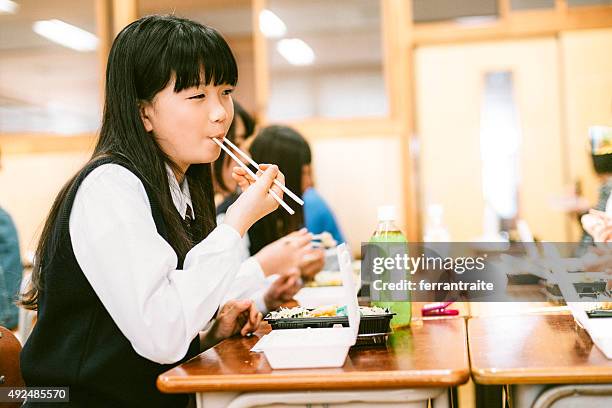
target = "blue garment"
x: 11, y: 271
x: 318, y: 217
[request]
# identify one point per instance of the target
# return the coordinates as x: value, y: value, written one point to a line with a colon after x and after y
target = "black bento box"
x: 373, y: 329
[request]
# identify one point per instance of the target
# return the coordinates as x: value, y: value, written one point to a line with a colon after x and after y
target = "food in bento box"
x: 322, y: 311
x: 326, y: 239
x: 606, y: 306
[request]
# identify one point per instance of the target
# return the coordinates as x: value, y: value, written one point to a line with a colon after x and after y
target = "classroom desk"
x: 530, y: 351
x: 418, y: 364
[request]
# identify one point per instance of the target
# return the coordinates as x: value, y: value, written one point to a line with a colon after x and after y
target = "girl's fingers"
x: 278, y: 285
x: 242, y: 177
x: 298, y: 233
x: 253, y: 320
x: 302, y: 241
x: 253, y: 313
x: 267, y: 179
x: 240, y: 172
x: 279, y: 176
x: 597, y: 213
x: 257, y: 322
x: 289, y: 284
x: 279, y: 192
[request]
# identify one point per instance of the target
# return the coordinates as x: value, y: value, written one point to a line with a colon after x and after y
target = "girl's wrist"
x: 234, y: 220
x: 262, y: 259
x: 207, y: 339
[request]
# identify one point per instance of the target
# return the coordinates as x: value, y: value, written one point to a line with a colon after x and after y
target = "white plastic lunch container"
x: 317, y: 347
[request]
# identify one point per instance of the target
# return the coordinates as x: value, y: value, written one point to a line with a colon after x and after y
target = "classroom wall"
x: 449, y: 97
x: 355, y: 176
x: 587, y: 79
x: 28, y: 186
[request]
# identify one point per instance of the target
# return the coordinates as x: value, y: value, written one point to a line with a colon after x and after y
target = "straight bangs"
x: 215, y: 65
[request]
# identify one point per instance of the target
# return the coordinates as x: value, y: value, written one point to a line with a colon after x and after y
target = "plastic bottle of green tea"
x: 387, y: 231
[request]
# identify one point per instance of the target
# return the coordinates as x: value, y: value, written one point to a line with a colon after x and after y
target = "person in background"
x: 271, y: 277
x: 11, y: 269
x: 596, y: 244
x: 293, y: 156
x: 599, y: 225
x: 318, y: 217
x: 601, y: 155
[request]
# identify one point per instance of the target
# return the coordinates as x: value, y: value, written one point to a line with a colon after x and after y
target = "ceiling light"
x: 295, y: 51
x: 66, y: 34
x: 271, y: 25
x: 8, y: 7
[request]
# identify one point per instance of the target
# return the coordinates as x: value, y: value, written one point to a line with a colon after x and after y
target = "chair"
x: 10, y: 372
x: 567, y: 396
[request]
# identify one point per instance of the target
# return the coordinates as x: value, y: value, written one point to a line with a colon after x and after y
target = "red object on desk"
x: 438, y: 309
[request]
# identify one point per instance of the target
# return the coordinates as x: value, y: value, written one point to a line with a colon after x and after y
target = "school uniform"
x: 118, y: 306
x: 251, y: 282
x: 318, y: 217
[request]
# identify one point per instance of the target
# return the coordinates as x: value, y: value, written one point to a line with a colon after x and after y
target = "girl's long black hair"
x: 286, y: 148
x: 144, y: 58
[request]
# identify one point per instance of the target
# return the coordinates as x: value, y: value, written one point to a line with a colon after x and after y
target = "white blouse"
x: 133, y: 270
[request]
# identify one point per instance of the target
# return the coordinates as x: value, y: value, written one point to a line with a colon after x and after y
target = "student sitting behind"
x: 293, y: 156
x: 271, y: 277
x: 11, y: 270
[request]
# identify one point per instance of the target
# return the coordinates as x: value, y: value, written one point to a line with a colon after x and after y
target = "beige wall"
x: 587, y: 59
x: 450, y: 82
x: 28, y: 185
x: 355, y: 176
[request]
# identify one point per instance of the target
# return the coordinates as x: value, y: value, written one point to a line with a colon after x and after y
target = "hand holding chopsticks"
x: 255, y: 177
x: 254, y: 164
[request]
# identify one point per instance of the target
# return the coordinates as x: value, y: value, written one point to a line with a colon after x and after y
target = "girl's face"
x: 185, y: 123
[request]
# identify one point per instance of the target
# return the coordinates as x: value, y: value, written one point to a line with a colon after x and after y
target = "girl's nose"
x: 218, y: 113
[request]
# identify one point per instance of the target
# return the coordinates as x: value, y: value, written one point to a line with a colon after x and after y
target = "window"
x: 438, y: 10
x: 532, y: 4
x: 325, y: 59
x: 500, y: 140
x: 50, y: 70
x: 573, y: 3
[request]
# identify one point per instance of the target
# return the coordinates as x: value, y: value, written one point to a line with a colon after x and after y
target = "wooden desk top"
x: 534, y: 349
x: 431, y: 353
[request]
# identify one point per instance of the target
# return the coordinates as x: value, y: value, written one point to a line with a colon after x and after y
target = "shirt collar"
x: 180, y: 194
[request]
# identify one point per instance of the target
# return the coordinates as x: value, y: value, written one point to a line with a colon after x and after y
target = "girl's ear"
x: 146, y: 109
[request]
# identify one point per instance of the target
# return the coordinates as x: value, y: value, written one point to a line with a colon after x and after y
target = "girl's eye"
x: 200, y: 96
x: 228, y: 91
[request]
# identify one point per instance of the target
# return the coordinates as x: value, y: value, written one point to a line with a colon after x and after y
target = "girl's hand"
x: 284, y: 255
x: 255, y: 201
x: 312, y: 263
x: 283, y: 289
x: 599, y: 225
x: 233, y: 317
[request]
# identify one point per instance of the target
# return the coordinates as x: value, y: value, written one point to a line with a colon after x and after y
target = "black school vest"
x: 76, y: 343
